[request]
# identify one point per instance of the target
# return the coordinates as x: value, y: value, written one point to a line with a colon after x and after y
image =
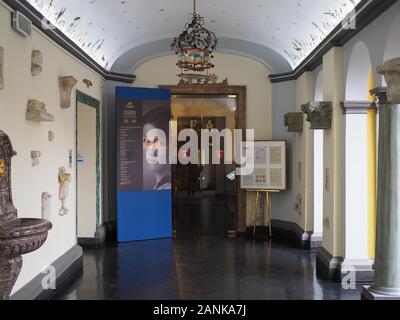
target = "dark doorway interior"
x: 204, y: 199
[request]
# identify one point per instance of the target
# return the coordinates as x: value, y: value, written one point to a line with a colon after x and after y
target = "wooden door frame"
x: 240, y: 117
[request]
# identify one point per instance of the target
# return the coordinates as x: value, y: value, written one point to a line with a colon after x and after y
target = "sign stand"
x: 259, y: 212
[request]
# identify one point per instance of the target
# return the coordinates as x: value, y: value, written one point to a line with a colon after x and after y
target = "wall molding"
x: 357, y: 107
x: 67, y: 267
x: 366, y: 12
x: 64, y: 42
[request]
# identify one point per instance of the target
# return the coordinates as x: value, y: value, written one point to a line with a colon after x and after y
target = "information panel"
x: 144, y: 198
x: 269, y: 166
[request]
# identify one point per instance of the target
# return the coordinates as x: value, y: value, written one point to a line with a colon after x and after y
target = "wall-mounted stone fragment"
x: 36, y: 111
x: 46, y: 206
x: 35, y: 157
x: 64, y: 179
x: 66, y: 85
x: 294, y: 121
x: 52, y: 136
x: 37, y: 61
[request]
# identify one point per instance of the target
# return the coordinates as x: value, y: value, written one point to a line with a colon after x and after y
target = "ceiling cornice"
x: 64, y: 42
x: 366, y: 12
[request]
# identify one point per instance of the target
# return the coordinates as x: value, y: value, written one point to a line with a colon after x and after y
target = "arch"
x: 319, y: 87
x: 392, y: 49
x: 358, y: 72
x: 131, y: 59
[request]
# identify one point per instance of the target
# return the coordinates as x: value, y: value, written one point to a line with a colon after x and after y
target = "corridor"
x: 202, y: 268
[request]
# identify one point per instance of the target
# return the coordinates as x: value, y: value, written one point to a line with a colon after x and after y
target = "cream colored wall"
x: 303, y: 161
x: 239, y: 71
x: 87, y: 174
x: 29, y: 182
x: 333, y: 155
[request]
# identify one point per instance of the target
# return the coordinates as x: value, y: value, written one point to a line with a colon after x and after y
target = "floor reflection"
x: 209, y: 267
x: 202, y: 263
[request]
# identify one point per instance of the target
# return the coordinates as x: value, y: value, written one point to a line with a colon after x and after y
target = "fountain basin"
x: 22, y: 236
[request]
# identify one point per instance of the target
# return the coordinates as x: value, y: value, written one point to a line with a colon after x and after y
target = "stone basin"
x: 22, y: 236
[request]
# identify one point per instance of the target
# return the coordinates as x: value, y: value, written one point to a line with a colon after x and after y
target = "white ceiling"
x: 106, y: 29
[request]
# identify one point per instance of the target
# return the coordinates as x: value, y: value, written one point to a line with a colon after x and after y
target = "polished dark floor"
x: 207, y: 266
x: 202, y: 214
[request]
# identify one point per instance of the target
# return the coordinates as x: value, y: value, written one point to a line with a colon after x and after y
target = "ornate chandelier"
x: 195, y: 45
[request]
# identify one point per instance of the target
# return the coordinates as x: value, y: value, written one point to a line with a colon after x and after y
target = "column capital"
x: 319, y: 114
x: 381, y: 94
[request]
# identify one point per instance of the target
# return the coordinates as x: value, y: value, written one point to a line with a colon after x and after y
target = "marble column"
x: 386, y: 284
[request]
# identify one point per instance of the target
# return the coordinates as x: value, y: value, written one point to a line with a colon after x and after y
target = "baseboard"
x: 67, y: 267
x: 316, y: 241
x: 328, y: 267
x: 110, y: 231
x: 363, y: 269
x: 97, y: 241
x: 286, y: 230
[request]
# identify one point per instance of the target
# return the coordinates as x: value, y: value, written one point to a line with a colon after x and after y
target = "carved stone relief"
x: 52, y: 136
x: 70, y: 161
x: 37, y: 61
x: 35, y: 156
x: 36, y: 111
x: 64, y: 179
x: 391, y: 71
x: 298, y: 204
x: 319, y: 114
x: 326, y: 222
x: 66, y: 85
x: 1, y: 68
x: 294, y: 121
x: 46, y: 206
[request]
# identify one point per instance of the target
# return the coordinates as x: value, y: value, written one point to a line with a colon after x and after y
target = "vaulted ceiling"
x: 108, y: 29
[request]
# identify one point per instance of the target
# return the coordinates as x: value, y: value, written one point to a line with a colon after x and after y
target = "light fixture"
x: 195, y: 45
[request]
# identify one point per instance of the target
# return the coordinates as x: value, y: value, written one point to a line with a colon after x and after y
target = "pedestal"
x: 9, y: 272
x: 387, y: 262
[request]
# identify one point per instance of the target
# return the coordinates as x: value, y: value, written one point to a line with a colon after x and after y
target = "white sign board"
x: 269, y: 167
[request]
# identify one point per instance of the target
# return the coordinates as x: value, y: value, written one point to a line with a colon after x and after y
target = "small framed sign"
x: 269, y: 166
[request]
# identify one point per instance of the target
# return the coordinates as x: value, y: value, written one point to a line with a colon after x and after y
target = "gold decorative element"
x: 2, y: 168
x: 88, y: 83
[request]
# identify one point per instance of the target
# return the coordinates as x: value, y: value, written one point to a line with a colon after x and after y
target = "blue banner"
x: 144, y: 199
